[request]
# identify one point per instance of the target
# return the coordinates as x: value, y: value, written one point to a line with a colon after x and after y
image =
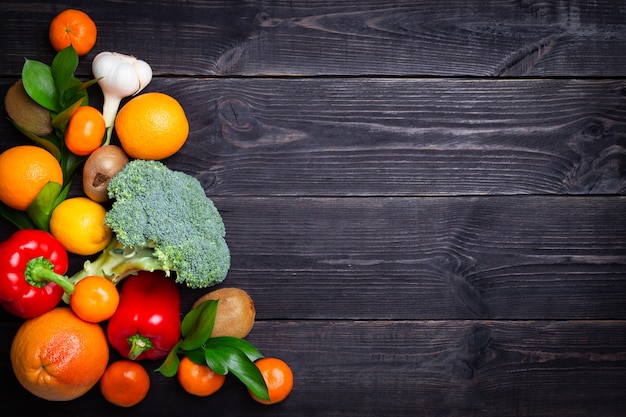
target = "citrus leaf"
x: 47, y: 142
x: 169, y: 367
x: 63, y: 67
x: 39, y: 84
x: 62, y: 195
x: 237, y: 363
x: 196, y: 356
x: 198, y: 328
x: 86, y: 84
x: 215, y: 360
x: 235, y: 342
x: 40, y: 209
x: 61, y: 120
x: 19, y: 218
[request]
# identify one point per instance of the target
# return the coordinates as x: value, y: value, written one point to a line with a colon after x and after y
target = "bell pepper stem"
x: 138, y: 344
x: 39, y: 271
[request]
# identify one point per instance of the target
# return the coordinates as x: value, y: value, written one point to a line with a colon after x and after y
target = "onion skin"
x: 100, y: 167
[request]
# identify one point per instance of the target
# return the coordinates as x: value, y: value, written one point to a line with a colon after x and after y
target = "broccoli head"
x: 162, y: 220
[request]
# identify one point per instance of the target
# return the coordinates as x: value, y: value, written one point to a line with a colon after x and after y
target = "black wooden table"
x: 424, y: 199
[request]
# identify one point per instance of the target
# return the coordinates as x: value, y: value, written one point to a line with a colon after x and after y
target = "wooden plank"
x: 435, y: 368
x: 356, y: 37
x: 425, y: 258
x: 421, y: 258
x: 360, y: 137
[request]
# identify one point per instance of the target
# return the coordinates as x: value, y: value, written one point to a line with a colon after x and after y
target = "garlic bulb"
x: 119, y: 76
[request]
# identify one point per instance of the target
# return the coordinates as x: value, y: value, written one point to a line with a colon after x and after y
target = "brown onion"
x: 100, y: 167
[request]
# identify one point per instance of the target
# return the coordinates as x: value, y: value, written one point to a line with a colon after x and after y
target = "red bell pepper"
x: 32, y: 264
x: 146, y: 324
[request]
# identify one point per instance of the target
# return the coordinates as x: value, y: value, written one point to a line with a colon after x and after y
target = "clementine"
x: 278, y: 378
x: 199, y: 380
x: 57, y: 356
x: 85, y: 131
x: 152, y: 126
x: 24, y: 170
x: 125, y: 383
x: 73, y: 27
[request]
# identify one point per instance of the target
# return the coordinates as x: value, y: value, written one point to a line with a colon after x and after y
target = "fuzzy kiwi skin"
x: 235, y: 312
x: 25, y: 112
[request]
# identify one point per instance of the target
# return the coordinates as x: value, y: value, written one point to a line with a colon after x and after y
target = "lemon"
x: 78, y: 223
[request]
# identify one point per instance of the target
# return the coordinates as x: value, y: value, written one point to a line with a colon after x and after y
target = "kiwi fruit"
x: 235, y: 312
x: 25, y: 112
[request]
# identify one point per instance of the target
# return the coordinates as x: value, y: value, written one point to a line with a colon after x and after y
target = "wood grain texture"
x: 360, y: 137
x: 424, y: 258
x: 451, y: 368
x: 424, y: 199
x: 355, y: 37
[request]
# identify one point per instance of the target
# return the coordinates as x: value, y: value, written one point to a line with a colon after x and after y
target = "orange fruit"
x: 152, y: 126
x: 78, y: 223
x: 278, y: 378
x: 85, y: 131
x: 199, y: 380
x: 24, y: 170
x: 73, y: 27
x: 94, y: 299
x: 125, y: 383
x: 57, y: 356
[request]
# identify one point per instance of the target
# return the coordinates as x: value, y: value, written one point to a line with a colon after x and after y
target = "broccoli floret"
x: 161, y: 220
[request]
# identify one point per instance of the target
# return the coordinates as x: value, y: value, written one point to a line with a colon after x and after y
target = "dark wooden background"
x: 425, y: 199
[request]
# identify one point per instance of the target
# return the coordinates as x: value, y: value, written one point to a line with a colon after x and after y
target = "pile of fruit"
x: 152, y: 229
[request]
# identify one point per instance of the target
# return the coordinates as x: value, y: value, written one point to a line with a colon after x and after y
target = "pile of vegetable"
x: 166, y: 232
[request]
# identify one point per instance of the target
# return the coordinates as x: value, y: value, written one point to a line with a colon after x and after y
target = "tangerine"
x: 85, y: 131
x: 278, y: 378
x: 73, y: 27
x: 94, y: 299
x: 125, y: 383
x: 57, y: 356
x: 24, y: 171
x: 152, y: 126
x: 199, y: 380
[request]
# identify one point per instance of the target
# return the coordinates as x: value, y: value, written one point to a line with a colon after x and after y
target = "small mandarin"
x: 85, y: 131
x: 152, y: 126
x: 73, y: 27
x: 199, y: 380
x: 278, y: 378
x: 24, y: 171
x: 94, y: 299
x: 125, y: 383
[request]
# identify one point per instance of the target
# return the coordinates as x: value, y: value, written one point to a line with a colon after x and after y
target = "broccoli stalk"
x: 161, y: 220
x: 116, y: 262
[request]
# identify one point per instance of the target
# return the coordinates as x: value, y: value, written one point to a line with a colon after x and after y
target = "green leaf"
x: 69, y: 163
x: 239, y: 365
x: 214, y: 359
x: 62, y: 195
x: 40, y: 210
x: 47, y: 142
x: 169, y: 367
x: 19, y: 218
x: 197, y: 325
x: 39, y: 84
x: 61, y: 120
x: 237, y: 343
x: 63, y: 67
x: 196, y: 356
